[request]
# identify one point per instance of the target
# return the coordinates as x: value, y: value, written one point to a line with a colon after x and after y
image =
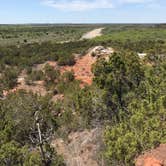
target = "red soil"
x: 82, y: 69
x: 156, y: 157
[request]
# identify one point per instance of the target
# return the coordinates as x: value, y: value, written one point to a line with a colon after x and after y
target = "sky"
x: 82, y: 11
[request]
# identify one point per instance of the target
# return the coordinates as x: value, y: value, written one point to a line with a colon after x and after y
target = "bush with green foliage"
x: 26, y: 130
x: 8, y: 78
x: 68, y: 76
x: 51, y: 73
x: 117, y: 77
x: 51, y: 76
x: 143, y: 128
x: 135, y: 98
x: 66, y: 60
x: 36, y: 75
x: 83, y: 108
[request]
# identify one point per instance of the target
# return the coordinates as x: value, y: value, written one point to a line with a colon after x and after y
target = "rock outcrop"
x: 101, y: 52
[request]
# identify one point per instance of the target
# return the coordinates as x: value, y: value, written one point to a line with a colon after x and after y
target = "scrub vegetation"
x: 127, y: 98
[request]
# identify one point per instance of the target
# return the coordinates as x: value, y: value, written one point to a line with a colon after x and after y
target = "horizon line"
x: 81, y: 23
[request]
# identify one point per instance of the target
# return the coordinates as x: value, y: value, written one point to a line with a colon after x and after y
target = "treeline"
x: 31, y: 54
x: 135, y: 32
x: 21, y: 34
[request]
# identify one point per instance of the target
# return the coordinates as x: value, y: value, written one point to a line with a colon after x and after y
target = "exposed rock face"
x: 142, y: 55
x: 81, y: 148
x: 102, y: 52
x: 156, y: 157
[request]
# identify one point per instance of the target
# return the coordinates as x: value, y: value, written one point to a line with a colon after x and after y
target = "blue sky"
x: 82, y: 11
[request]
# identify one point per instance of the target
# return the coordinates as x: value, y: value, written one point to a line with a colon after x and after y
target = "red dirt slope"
x: 82, y: 69
x: 156, y: 157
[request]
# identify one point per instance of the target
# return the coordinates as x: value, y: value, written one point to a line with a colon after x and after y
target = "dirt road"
x: 92, y: 34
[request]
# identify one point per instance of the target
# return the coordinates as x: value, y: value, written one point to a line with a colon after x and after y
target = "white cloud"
x: 78, y: 5
x: 83, y: 5
x: 136, y: 1
x: 133, y: 1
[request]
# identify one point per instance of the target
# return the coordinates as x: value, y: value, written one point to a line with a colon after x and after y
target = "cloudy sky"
x: 82, y: 11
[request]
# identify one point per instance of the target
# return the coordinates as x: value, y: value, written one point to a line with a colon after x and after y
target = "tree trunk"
x: 41, y: 146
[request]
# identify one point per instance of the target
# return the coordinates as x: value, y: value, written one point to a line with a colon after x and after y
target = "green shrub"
x: 136, y: 133
x: 8, y: 79
x: 51, y: 77
x: 36, y: 75
x: 66, y: 60
x: 19, y: 136
x: 68, y: 76
x: 51, y: 74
